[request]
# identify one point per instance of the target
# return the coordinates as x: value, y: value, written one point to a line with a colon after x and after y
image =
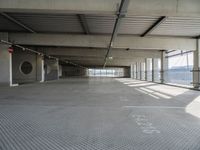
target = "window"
x: 111, y: 72
x: 180, y: 64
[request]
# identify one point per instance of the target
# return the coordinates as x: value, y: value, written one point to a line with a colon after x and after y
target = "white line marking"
x: 157, y: 107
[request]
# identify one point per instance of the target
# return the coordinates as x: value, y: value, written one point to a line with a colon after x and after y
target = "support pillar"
x: 145, y: 71
x: 138, y: 70
x: 42, y: 70
x: 155, y: 70
x: 135, y: 71
x: 58, y: 69
x: 142, y: 68
x: 132, y: 71
x: 164, y: 67
x: 6, y: 77
x: 10, y: 69
x: 196, y: 67
x: 149, y: 69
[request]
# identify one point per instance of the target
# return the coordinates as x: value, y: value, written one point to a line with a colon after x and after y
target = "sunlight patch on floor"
x: 193, y: 108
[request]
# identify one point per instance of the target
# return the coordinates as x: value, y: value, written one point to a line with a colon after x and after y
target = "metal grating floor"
x: 99, y: 114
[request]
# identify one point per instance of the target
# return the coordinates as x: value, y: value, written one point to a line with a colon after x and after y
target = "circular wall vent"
x: 26, y: 67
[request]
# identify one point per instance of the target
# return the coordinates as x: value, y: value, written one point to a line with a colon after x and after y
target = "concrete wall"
x: 18, y: 58
x: 73, y: 71
x: 4, y: 64
x: 60, y: 71
x: 127, y: 72
x: 39, y: 67
x: 51, y: 69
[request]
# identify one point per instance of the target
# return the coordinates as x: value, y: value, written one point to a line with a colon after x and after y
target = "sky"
x: 181, y: 60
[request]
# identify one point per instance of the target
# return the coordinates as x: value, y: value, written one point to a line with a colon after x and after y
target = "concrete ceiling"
x: 101, y: 24
x: 90, y: 24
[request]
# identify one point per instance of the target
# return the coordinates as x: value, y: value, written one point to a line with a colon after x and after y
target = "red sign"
x: 10, y: 50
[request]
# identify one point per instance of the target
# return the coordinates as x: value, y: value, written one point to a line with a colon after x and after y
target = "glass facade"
x: 108, y: 72
x: 180, y: 65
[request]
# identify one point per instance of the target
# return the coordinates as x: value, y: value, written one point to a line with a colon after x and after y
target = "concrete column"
x: 135, y: 74
x: 132, y: 71
x: 164, y: 67
x: 138, y: 70
x: 42, y: 70
x: 155, y: 70
x: 10, y: 69
x: 149, y: 69
x: 196, y: 67
x: 57, y: 62
x: 5, y: 62
x: 142, y: 68
x: 145, y: 72
x: 86, y: 72
x: 60, y: 71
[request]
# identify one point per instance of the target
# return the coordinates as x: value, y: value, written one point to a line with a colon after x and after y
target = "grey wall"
x: 60, y: 71
x: 4, y: 64
x: 4, y: 61
x: 18, y: 58
x: 127, y: 72
x: 39, y: 68
x: 73, y: 71
x: 51, y: 69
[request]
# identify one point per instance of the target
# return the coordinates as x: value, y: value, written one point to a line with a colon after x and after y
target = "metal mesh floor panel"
x: 98, y: 114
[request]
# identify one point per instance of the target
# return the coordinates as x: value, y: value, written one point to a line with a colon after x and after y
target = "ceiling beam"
x: 116, y: 62
x: 154, y: 26
x: 94, y: 59
x: 83, y: 23
x: 101, y: 41
x: 120, y: 14
x: 17, y: 22
x: 97, y: 53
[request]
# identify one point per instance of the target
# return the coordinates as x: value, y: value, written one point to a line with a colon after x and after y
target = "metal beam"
x: 17, y: 22
x: 83, y: 23
x: 154, y: 26
x: 122, y: 12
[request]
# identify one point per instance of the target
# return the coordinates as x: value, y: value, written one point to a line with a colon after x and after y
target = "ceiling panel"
x: 179, y: 26
x: 136, y: 24
x: 7, y: 25
x: 100, y: 24
x: 50, y: 22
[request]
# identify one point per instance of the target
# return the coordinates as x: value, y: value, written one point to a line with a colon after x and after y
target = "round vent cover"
x: 26, y: 67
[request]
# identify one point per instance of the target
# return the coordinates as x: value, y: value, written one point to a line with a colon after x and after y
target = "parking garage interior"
x: 100, y: 75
